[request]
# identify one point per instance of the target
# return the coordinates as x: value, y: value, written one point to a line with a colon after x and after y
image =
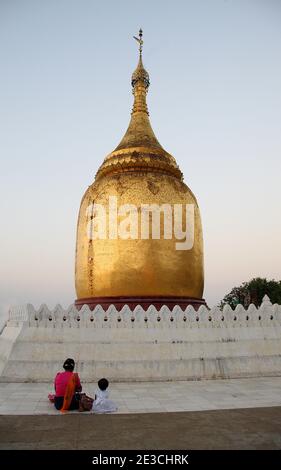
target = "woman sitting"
x: 67, y: 384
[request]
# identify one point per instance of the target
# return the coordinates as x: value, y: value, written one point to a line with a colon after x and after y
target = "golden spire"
x: 139, y: 132
x: 139, y: 146
x: 140, y: 81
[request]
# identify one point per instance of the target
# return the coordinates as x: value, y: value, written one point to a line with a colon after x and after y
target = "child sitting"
x: 102, y: 404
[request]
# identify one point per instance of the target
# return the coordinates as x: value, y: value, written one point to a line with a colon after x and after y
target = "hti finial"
x: 140, y: 41
x: 140, y: 75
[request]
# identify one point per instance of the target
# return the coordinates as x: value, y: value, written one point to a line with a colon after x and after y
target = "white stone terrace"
x: 147, y: 397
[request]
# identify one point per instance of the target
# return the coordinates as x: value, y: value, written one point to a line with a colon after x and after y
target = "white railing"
x: 266, y: 315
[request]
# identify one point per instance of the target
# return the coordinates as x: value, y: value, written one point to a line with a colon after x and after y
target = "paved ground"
x: 148, y: 397
x: 220, y: 414
x: 251, y: 428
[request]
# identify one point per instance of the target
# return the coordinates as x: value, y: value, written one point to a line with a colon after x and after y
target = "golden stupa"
x: 112, y: 270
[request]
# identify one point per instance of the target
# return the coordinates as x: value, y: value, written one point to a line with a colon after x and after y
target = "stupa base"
x: 144, y: 302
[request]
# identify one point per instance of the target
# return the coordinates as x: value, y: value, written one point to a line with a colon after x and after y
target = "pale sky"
x: 65, y: 94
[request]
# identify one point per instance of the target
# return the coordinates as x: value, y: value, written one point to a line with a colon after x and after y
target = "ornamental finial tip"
x: 139, y: 40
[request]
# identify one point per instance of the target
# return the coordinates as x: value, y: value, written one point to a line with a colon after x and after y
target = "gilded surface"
x: 139, y: 171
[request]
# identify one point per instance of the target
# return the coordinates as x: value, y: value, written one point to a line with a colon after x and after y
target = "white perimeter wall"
x: 137, y: 345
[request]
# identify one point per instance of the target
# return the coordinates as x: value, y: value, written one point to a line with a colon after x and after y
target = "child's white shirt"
x: 102, y: 404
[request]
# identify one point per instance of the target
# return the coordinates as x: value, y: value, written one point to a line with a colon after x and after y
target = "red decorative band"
x: 144, y: 302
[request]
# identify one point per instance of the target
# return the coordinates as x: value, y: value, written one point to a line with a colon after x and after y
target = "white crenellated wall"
x: 139, y: 345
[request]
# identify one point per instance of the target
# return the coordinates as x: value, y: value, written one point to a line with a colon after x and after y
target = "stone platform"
x: 207, y: 414
x: 152, y: 397
x: 137, y: 345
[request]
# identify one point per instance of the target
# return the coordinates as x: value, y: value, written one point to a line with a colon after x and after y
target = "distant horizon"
x: 214, y: 103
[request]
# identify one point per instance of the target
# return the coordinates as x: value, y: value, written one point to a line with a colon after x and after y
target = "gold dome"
x: 138, y: 172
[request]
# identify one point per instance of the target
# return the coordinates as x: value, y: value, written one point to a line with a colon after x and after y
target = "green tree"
x: 252, y: 292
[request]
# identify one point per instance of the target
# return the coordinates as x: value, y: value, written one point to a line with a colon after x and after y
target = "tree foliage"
x: 252, y: 292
